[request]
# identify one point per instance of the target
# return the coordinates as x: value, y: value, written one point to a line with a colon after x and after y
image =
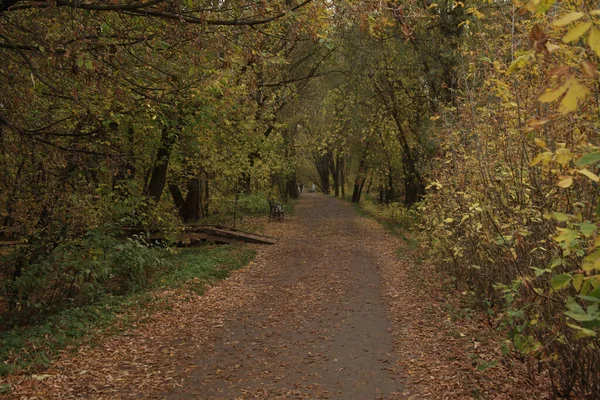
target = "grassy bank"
x: 31, y: 348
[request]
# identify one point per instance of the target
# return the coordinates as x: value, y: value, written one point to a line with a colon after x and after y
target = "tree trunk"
x: 158, y: 178
x: 177, y: 199
x: 292, y: 187
x: 334, y: 167
x: 125, y: 171
x: 192, y: 201
x: 322, y: 166
x: 389, y: 194
x: 342, y: 176
x: 359, y: 182
x: 206, y: 198
x: 414, y: 188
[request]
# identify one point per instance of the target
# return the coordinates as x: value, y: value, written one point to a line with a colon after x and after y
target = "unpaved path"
x: 319, y: 326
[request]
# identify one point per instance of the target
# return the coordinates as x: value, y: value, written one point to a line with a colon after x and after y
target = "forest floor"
x: 334, y: 310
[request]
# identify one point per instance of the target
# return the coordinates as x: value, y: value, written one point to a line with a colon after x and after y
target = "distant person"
x: 312, y: 188
x: 301, y: 186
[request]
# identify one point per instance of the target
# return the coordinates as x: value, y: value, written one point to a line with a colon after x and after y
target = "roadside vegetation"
x: 32, y: 347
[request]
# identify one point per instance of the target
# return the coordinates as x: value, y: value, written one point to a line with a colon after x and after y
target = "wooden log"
x: 223, y: 234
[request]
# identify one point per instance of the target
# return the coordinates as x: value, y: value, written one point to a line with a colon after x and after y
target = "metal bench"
x: 275, y: 210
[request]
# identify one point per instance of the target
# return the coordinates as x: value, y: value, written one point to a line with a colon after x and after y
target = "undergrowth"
x: 30, y: 348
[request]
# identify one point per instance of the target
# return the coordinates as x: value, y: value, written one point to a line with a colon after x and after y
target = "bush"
x: 75, y: 273
x: 253, y: 204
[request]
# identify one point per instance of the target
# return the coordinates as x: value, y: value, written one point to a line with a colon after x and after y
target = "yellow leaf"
x: 576, y: 92
x: 551, y: 47
x: 565, y: 183
x: 568, y: 18
x: 589, y: 174
x: 535, y: 123
x: 594, y: 40
x: 552, y: 95
x: 595, y: 12
x: 519, y: 62
x: 589, y: 68
x: 577, y: 32
x: 543, y: 158
x: 541, y: 143
x: 563, y: 156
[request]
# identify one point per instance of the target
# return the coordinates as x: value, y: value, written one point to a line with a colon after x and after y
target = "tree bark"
x: 158, y: 178
x: 292, y: 187
x: 322, y: 166
x: 177, y: 199
x: 193, y: 200
x: 361, y: 177
x: 334, y: 167
x: 342, y: 176
x: 389, y: 193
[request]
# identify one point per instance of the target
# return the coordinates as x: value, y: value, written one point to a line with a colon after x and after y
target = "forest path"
x: 318, y: 326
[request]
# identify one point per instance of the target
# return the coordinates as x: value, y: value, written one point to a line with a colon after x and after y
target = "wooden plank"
x: 230, y: 234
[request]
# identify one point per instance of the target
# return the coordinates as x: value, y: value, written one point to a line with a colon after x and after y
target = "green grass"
x: 34, y: 347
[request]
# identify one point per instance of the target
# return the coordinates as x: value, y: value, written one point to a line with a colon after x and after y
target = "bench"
x: 275, y: 210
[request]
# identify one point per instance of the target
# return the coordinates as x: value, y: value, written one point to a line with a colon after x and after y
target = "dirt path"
x: 318, y: 327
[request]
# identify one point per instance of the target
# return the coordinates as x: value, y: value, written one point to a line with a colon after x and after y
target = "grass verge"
x: 31, y: 348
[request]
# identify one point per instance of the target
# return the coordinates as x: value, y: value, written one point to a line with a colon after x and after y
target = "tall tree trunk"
x: 292, y: 187
x: 342, y: 175
x: 334, y: 167
x: 158, y: 177
x: 389, y: 195
x: 322, y: 166
x: 192, y: 201
x: 206, y: 197
x: 177, y: 199
x: 190, y: 208
x: 361, y: 177
x: 125, y: 171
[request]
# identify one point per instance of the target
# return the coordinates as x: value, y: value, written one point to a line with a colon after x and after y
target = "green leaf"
x: 560, y: 281
x: 583, y: 332
x: 579, y: 317
x: 590, y: 298
x: 587, y: 228
x: 561, y: 217
x: 589, y: 158
x: 577, y: 281
x: 591, y: 262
